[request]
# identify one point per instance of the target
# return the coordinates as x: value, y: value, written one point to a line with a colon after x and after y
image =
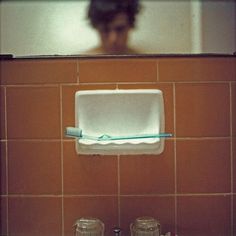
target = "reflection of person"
x: 113, y: 19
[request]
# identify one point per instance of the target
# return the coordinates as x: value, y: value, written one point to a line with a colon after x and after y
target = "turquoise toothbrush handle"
x: 107, y: 137
x: 77, y: 133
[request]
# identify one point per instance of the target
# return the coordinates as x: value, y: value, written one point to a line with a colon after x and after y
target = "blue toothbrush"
x: 77, y: 133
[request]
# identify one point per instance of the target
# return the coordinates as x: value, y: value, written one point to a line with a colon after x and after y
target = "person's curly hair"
x: 104, y: 11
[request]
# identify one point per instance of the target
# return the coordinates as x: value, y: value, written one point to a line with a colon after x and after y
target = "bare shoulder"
x: 133, y: 51
x: 95, y: 50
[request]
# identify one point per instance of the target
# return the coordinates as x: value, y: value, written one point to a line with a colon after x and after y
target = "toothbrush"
x: 77, y: 133
x: 107, y: 137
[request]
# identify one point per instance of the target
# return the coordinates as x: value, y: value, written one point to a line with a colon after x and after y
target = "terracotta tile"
x: 2, y: 113
x: 31, y: 71
x: 234, y: 163
x: 161, y: 208
x: 84, y: 174
x: 167, y: 89
x: 102, y: 207
x: 3, y: 160
x: 117, y: 70
x: 34, y: 167
x: 233, y: 105
x: 33, y: 112
x: 234, y: 214
x: 68, y: 100
x: 35, y: 216
x: 197, y: 69
x: 3, y: 216
x: 203, y: 215
x: 148, y: 174
x: 203, y: 166
x: 202, y: 110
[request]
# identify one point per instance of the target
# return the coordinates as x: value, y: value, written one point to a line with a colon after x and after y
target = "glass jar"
x: 145, y: 226
x: 89, y: 227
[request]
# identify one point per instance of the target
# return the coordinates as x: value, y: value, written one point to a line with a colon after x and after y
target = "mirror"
x: 162, y: 27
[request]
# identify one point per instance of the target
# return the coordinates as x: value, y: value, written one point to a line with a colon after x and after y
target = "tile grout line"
x: 6, y: 136
x: 34, y: 140
x: 123, y: 83
x: 43, y: 85
x: 17, y: 195
x: 203, y: 138
x: 77, y: 72
x: 231, y: 153
x: 6, y: 164
x: 52, y: 84
x: 201, y: 82
x: 112, y: 83
x: 115, y: 195
x: 158, y: 76
x: 62, y: 173
x: 175, y: 154
x: 71, y: 140
x: 118, y: 189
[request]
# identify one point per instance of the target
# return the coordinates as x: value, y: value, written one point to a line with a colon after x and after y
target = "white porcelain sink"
x: 119, y: 113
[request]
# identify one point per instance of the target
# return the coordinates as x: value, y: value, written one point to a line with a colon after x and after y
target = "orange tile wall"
x: 190, y: 188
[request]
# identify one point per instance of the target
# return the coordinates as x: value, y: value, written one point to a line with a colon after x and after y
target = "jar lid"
x: 89, y: 224
x: 146, y: 223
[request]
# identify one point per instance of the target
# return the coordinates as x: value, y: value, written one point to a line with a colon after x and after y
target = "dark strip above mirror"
x: 103, y: 56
